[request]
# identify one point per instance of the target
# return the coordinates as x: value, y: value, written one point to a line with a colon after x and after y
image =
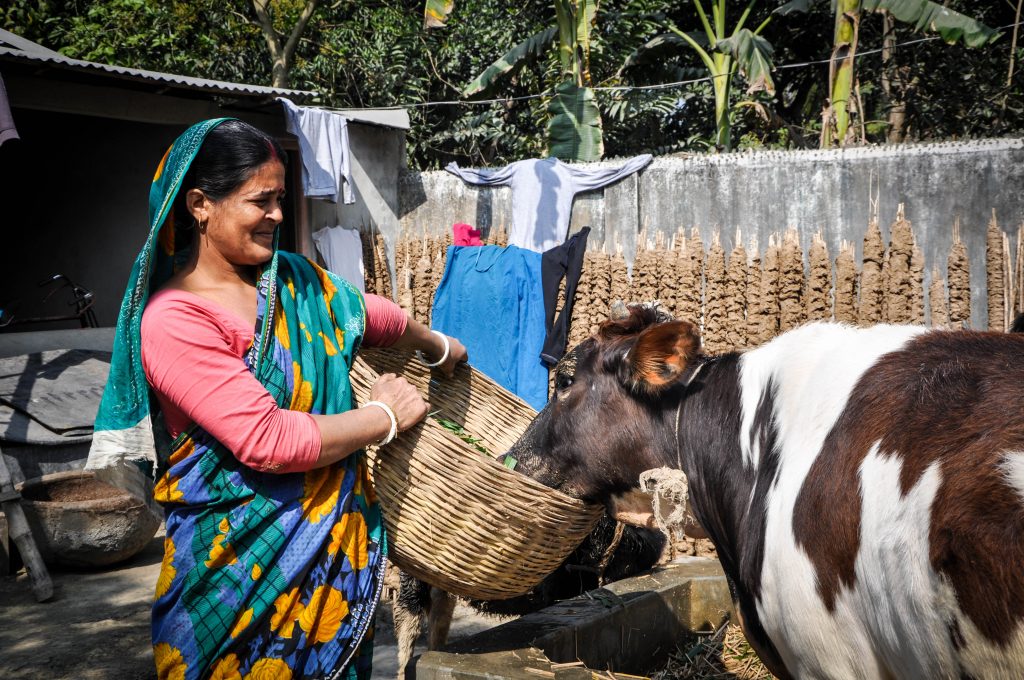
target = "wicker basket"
x: 456, y: 518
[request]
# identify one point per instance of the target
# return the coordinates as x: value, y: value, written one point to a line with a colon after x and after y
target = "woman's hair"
x: 229, y: 156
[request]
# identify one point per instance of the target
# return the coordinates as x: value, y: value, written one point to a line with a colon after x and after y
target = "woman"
x: 275, y: 549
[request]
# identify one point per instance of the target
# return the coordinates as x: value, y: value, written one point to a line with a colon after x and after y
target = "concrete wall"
x: 768, y: 192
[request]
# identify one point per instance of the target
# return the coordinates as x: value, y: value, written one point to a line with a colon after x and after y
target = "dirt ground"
x: 97, y: 625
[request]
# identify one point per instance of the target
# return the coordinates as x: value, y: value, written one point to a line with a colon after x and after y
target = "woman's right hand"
x: 404, y: 399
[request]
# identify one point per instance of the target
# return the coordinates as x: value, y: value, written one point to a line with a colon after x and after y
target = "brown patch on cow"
x: 951, y: 398
x: 661, y: 354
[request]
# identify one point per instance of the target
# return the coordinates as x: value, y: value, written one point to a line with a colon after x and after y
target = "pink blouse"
x: 192, y: 354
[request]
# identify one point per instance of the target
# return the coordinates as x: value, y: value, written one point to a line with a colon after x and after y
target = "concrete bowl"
x: 78, y: 520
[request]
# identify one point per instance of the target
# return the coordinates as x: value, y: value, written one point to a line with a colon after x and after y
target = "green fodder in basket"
x: 459, y: 432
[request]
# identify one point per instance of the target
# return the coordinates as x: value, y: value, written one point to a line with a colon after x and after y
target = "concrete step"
x: 628, y: 627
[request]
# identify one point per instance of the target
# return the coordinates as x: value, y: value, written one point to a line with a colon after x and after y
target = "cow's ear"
x: 661, y: 354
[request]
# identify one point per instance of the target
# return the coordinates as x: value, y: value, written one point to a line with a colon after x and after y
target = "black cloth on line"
x: 561, y: 261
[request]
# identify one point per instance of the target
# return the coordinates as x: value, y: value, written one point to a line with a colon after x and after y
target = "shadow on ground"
x: 96, y: 626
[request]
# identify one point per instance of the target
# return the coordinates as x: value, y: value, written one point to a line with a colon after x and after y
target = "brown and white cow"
x: 864, y: 487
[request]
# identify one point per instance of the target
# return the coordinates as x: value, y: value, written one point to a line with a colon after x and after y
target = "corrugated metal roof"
x: 15, y: 47
x: 392, y: 118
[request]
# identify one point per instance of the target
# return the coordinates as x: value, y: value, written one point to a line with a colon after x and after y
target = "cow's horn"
x: 619, y: 311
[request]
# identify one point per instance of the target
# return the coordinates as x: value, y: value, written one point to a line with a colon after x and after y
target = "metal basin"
x: 78, y: 520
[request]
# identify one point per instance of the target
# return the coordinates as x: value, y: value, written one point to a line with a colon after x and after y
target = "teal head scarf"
x: 123, y: 449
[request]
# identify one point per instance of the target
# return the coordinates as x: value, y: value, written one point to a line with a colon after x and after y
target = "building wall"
x: 75, y: 191
x: 757, y: 194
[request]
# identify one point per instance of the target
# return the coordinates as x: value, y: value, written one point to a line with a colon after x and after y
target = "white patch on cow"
x: 814, y: 369
x: 894, y: 598
x: 1013, y: 467
x: 895, y: 621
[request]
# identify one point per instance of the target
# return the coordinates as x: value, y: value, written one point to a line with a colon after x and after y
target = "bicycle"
x: 82, y: 300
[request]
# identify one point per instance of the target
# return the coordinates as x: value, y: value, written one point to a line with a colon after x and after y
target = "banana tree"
x: 574, y: 120
x: 723, y: 53
x: 923, y: 15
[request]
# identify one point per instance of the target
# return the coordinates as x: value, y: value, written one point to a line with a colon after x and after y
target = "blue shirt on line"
x: 490, y: 298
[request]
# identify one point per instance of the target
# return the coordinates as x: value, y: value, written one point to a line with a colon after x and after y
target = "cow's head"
x: 614, y: 394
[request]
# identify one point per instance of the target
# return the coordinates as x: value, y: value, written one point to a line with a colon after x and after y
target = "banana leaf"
x: 658, y: 48
x: 435, y: 12
x: 530, y: 49
x: 933, y: 17
x: 574, y: 125
x: 753, y: 54
x: 924, y: 15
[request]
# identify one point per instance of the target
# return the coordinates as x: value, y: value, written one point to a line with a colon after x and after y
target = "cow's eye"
x: 563, y: 381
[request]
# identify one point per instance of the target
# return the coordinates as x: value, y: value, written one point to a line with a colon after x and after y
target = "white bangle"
x: 444, y: 356
x: 393, y: 432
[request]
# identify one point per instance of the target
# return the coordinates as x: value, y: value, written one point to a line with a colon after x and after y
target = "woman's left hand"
x: 433, y: 346
x: 456, y: 354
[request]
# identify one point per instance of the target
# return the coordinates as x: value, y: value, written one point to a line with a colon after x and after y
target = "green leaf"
x: 586, y: 20
x: 459, y: 432
x: 530, y: 49
x: 435, y: 12
x: 933, y: 17
x: 660, y: 47
x: 802, y: 6
x: 753, y: 54
x: 574, y: 126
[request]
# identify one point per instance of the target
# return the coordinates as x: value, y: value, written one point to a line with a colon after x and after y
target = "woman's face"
x: 241, y: 226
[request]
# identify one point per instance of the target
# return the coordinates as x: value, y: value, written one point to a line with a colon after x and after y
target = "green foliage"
x: 722, y: 55
x: 373, y: 53
x: 753, y: 54
x: 574, y: 123
x: 459, y: 432
x: 199, y: 38
x: 397, y: 63
x: 932, y: 17
x: 530, y: 50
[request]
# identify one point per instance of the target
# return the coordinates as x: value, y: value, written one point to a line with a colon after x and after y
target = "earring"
x: 202, y: 226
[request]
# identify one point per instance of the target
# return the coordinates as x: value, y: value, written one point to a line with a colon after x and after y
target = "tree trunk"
x: 1013, y: 52
x: 722, y: 83
x: 281, y: 53
x: 892, y: 82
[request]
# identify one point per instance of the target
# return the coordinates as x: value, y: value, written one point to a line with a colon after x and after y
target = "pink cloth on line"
x: 466, y: 235
x: 192, y: 354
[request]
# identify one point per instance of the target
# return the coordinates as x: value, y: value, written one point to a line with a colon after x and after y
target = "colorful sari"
x: 264, y: 575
